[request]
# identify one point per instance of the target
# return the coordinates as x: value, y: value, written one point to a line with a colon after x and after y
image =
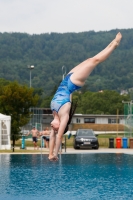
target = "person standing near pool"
x: 35, y: 134
x: 45, y: 134
x: 61, y: 102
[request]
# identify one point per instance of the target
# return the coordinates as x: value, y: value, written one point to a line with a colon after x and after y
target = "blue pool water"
x: 75, y: 176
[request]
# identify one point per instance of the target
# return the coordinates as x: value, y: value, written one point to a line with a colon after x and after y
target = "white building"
x: 98, y: 119
x: 45, y: 117
x: 5, y: 129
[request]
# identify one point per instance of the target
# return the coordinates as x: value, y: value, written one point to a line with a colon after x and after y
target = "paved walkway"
x: 100, y: 150
x: 77, y: 151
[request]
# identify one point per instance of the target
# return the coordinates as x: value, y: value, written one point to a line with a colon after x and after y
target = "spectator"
x: 45, y: 133
x: 35, y: 134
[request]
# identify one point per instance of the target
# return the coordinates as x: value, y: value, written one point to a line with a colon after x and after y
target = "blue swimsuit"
x: 63, y: 92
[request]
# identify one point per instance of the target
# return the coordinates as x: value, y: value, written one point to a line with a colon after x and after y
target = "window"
x: 89, y: 120
x: 77, y: 120
x: 113, y: 121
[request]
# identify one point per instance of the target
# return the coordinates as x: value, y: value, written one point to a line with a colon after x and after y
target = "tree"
x: 15, y: 100
x: 4, y: 82
x: 49, y: 52
x: 105, y: 102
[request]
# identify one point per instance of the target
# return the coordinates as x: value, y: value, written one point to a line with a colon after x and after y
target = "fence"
x: 128, y: 113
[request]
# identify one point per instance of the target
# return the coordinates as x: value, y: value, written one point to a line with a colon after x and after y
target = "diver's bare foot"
x: 118, y: 39
x: 56, y: 158
x: 115, y: 43
x: 53, y: 158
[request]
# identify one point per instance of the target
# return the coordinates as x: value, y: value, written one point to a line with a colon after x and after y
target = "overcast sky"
x: 61, y: 16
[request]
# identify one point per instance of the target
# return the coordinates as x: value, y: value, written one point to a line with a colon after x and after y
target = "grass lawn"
x: 102, y: 138
x: 22, y: 151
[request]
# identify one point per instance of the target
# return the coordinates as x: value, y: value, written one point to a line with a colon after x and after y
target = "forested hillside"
x: 49, y: 52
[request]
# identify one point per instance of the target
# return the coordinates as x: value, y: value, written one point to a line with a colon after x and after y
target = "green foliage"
x: 15, y: 100
x: 3, y: 82
x: 49, y: 52
x: 46, y: 102
x: 105, y: 102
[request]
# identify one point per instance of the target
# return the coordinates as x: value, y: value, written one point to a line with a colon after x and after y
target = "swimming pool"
x: 75, y: 176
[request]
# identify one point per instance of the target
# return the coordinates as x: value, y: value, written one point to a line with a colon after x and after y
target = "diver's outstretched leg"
x: 83, y: 70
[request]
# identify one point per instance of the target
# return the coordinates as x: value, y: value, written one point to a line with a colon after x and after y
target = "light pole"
x: 63, y: 72
x: 30, y: 68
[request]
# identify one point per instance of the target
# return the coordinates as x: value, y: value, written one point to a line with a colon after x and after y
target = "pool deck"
x: 101, y: 150
x: 73, y: 151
